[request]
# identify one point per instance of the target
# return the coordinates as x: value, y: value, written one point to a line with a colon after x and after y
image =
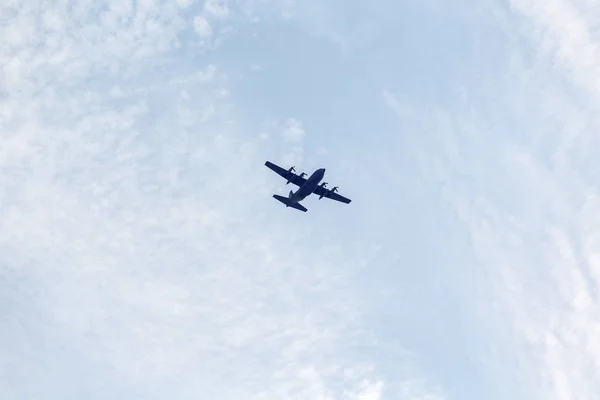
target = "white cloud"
x: 202, y: 26
x: 394, y: 103
x: 216, y: 8
x: 138, y: 237
x: 292, y: 133
x: 292, y: 130
x: 184, y: 3
x: 528, y: 200
x: 371, y: 391
x: 140, y: 248
x: 144, y: 243
x: 564, y: 332
x: 564, y: 30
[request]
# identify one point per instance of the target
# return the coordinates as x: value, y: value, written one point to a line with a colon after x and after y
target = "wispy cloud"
x: 527, y: 196
x: 565, y: 337
x: 142, y: 255
x: 137, y: 250
x: 202, y: 26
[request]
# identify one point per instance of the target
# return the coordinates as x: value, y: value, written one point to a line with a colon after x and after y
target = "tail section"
x: 286, y: 201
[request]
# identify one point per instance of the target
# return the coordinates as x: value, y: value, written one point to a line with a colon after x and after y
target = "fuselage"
x: 309, y: 186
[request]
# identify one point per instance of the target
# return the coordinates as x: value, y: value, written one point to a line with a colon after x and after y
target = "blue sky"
x: 142, y: 255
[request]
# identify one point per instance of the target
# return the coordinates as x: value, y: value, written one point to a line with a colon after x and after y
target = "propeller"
x: 324, y: 193
x: 290, y: 173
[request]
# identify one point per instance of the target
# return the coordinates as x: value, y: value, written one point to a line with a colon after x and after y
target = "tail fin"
x: 287, y: 203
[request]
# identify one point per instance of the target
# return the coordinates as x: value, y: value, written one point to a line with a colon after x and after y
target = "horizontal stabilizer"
x: 286, y: 201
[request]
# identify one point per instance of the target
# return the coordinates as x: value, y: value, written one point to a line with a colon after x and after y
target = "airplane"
x: 305, y: 187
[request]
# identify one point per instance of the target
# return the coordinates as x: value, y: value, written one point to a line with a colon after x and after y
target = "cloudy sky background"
x: 142, y: 256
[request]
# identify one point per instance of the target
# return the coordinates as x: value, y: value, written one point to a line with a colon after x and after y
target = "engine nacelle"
x: 322, y: 185
x: 330, y: 191
x: 290, y: 174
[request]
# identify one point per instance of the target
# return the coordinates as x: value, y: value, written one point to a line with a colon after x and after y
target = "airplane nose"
x: 323, y: 170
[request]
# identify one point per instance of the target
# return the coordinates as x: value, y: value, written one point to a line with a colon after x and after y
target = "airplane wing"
x: 288, y: 175
x: 321, y: 191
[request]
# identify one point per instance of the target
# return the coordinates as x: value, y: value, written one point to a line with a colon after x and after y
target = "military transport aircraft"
x: 305, y: 187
